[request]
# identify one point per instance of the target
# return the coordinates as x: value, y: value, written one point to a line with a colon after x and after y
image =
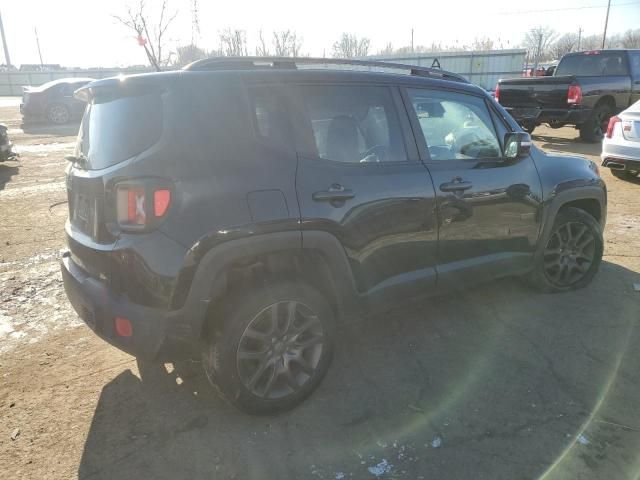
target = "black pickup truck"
x: 586, y: 89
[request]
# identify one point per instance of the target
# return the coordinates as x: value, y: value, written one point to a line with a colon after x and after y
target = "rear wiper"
x: 79, y: 159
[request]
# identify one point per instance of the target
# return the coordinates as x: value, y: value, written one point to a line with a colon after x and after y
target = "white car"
x: 621, y: 144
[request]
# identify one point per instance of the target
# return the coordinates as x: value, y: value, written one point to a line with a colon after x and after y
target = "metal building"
x: 483, y: 68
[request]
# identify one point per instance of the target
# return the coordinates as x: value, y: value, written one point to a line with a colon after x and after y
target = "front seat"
x: 342, y: 139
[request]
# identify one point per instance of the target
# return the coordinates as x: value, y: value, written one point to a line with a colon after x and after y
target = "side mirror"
x: 517, y: 145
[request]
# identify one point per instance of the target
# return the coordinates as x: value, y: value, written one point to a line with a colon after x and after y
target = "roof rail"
x: 252, y: 63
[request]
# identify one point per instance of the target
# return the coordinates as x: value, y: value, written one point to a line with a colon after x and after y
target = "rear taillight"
x: 612, y: 125
x: 574, y: 95
x: 139, y: 205
x: 497, y: 93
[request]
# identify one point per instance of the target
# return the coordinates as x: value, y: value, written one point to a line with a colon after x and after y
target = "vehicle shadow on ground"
x: 6, y: 172
x: 497, y: 382
x: 70, y: 129
x: 571, y: 146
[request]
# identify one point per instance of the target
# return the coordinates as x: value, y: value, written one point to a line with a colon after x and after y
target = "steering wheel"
x: 377, y: 151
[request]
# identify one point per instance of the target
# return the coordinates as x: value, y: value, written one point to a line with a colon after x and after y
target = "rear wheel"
x: 594, y: 128
x: 529, y: 127
x: 572, y: 255
x: 274, y: 347
x: 58, y: 114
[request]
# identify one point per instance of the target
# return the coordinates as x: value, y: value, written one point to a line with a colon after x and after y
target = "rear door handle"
x: 456, y: 185
x: 336, y: 192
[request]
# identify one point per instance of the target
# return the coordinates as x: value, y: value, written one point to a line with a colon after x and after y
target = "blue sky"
x: 84, y: 33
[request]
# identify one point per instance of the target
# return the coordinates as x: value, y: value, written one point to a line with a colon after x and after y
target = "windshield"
x: 115, y: 130
x: 596, y: 63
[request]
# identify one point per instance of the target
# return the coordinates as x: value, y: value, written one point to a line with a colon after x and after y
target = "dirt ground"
x: 498, y: 383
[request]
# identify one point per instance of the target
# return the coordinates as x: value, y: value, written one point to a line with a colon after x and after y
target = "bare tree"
x: 286, y: 43
x: 567, y: 43
x: 484, y: 43
x: 150, y: 35
x: 233, y: 43
x: 592, y: 42
x: 262, y: 50
x: 187, y: 54
x: 350, y: 46
x: 537, y: 42
x: 631, y: 39
x: 387, y: 50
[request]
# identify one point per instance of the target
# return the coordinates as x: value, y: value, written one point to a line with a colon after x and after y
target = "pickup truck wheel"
x: 274, y: 348
x: 572, y: 255
x: 529, y: 127
x: 594, y: 128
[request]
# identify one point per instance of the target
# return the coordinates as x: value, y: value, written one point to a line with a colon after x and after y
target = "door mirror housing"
x: 517, y: 145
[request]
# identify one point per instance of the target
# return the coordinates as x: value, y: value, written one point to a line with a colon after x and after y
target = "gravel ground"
x: 498, y: 383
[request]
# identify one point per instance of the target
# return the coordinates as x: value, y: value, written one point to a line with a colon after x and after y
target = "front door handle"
x: 336, y: 192
x: 456, y: 185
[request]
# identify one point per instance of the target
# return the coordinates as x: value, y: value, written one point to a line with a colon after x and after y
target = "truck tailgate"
x: 542, y: 92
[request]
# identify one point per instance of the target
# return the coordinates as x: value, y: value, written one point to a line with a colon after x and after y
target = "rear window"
x: 114, y: 130
x: 597, y: 63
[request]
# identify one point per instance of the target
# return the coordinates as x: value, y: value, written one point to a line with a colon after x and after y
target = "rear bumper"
x: 570, y: 116
x: 620, y: 154
x: 157, y: 334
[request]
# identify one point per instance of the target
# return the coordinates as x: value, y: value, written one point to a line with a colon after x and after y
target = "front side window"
x: 455, y: 126
x: 354, y: 124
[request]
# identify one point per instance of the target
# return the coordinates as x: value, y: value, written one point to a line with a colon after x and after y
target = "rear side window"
x: 354, y: 124
x: 597, y: 63
x: 114, y: 130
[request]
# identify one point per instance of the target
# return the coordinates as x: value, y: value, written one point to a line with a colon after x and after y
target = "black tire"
x: 257, y: 359
x: 574, y: 230
x: 624, y: 174
x: 58, y: 114
x: 594, y: 128
x: 529, y: 127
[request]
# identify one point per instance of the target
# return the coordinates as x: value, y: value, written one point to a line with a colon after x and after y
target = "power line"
x: 562, y: 9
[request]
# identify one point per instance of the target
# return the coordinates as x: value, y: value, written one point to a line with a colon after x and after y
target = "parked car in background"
x: 257, y: 203
x: 621, y: 144
x: 585, y: 90
x: 53, y: 102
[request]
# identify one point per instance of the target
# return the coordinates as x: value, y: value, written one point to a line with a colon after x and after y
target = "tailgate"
x: 90, y: 242
x: 543, y: 92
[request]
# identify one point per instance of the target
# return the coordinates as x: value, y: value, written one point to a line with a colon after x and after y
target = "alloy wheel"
x: 569, y: 253
x: 58, y: 114
x: 280, y: 350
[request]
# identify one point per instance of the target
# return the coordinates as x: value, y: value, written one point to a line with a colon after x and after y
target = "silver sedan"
x: 621, y: 144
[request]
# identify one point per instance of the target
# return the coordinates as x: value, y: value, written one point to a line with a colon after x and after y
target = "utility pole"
x: 606, y: 23
x: 412, y: 51
x: 38, y: 43
x: 579, y: 37
x: 4, y: 44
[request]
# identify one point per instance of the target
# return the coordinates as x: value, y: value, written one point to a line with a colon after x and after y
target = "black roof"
x: 283, y: 70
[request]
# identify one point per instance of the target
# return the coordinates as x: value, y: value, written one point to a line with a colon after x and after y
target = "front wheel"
x: 572, y: 254
x: 273, y: 349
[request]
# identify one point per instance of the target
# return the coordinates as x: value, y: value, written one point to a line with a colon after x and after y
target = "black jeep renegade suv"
x: 236, y: 208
